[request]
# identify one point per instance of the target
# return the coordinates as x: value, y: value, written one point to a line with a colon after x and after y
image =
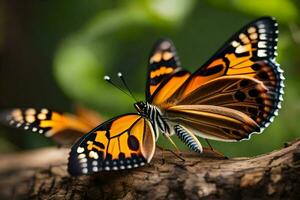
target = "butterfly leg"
x: 215, y: 151
x: 162, y: 154
x: 175, y: 146
x: 211, y: 148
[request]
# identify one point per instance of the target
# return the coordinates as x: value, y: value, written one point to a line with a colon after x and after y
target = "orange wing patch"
x: 161, y: 71
x: 62, y: 128
x: 169, y: 88
x: 124, y: 142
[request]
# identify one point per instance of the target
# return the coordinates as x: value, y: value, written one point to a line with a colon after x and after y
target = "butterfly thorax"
x: 154, y: 114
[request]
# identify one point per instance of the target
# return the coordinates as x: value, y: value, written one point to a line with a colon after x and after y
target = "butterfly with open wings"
x: 233, y: 95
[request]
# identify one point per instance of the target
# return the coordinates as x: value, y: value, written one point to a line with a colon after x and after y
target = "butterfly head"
x: 140, y: 106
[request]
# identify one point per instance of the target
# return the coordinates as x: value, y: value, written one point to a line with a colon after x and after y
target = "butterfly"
x: 63, y: 128
x: 235, y: 94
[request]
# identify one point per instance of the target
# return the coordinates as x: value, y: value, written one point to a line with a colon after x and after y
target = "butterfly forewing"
x: 163, y: 62
x: 123, y: 142
x: 249, y: 54
x: 63, y: 128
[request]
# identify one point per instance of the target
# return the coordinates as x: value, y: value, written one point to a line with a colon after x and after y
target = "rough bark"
x: 41, y: 174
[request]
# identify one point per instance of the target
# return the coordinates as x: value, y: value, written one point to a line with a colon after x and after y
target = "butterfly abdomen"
x: 188, y: 138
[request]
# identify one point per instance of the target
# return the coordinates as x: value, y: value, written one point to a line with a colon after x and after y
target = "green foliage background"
x: 64, y: 48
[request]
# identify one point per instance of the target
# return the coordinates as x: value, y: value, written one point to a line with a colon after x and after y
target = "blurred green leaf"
x: 284, y: 10
x: 85, y: 57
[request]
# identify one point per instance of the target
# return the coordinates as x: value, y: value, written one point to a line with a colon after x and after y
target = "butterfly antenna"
x: 120, y: 75
x: 108, y: 79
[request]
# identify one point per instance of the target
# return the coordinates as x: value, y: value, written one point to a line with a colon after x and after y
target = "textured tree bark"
x: 41, y: 174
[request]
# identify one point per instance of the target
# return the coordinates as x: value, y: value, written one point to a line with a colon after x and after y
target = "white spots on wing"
x: 261, y: 26
x: 263, y: 36
x: 30, y: 118
x: 165, y: 45
x: 281, y: 91
x: 26, y: 127
x: 49, y: 133
x: 81, y: 156
x: 267, y: 124
x: 280, y: 98
x: 262, y: 30
x: 41, y: 131
x: 41, y: 116
x: 94, y: 163
x: 16, y: 113
x: 30, y: 111
x: 129, y: 167
x: 83, y: 160
x: 19, y: 118
x: 11, y: 122
x: 95, y: 169
x: 45, y: 111
x: 107, y: 168
x: 235, y: 44
x: 34, y: 129
x: 80, y: 150
x: 251, y: 29
x: 84, y: 170
x: 115, y: 168
x: 244, y: 38
x: 262, y: 53
x: 241, y: 49
x: 156, y: 57
x: 262, y: 44
x: 18, y: 125
x: 253, y: 36
x: 167, y: 56
x: 93, y: 155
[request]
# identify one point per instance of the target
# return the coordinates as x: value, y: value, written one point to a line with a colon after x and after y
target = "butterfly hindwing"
x: 63, y: 128
x: 212, y: 108
x: 213, y: 122
x: 163, y: 62
x: 124, y: 142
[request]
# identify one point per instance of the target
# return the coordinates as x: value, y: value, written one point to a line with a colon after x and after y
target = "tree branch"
x: 42, y: 174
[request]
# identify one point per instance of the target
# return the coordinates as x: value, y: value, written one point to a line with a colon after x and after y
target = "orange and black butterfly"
x: 233, y: 95
x: 63, y: 128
